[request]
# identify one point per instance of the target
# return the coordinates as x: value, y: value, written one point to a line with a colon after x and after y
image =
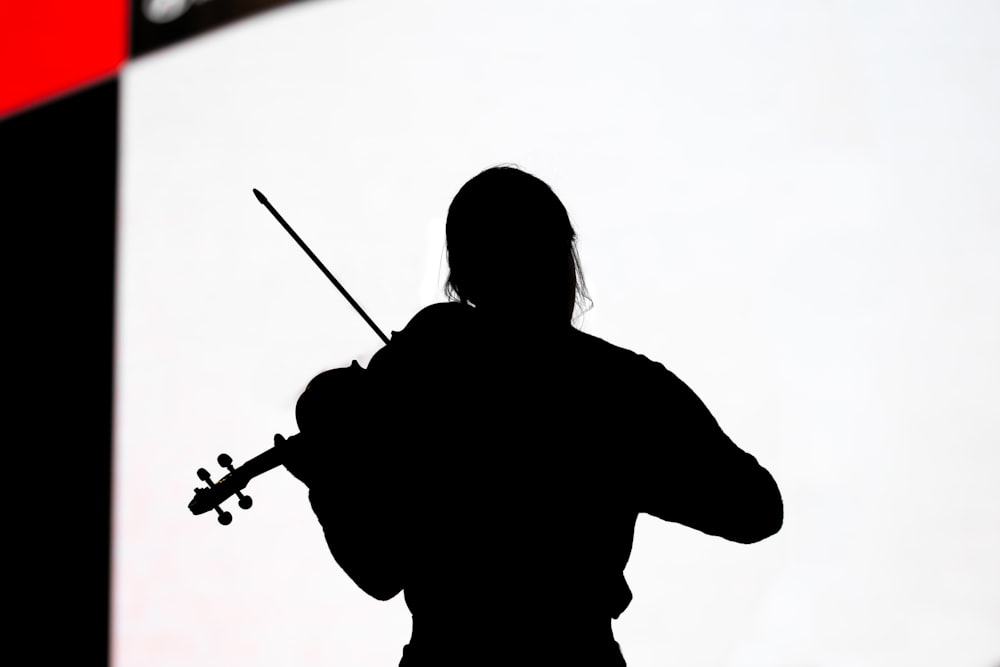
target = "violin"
x: 335, y: 385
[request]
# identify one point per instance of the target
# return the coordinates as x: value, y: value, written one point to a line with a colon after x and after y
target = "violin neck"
x: 260, y: 464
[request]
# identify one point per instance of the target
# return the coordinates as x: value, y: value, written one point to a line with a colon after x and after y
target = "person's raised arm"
x: 360, y: 494
x: 689, y: 471
x: 353, y: 482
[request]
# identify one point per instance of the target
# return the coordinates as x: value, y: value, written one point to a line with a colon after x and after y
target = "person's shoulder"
x: 433, y: 322
x: 427, y: 335
x: 634, y: 365
x: 599, y: 347
x: 443, y: 314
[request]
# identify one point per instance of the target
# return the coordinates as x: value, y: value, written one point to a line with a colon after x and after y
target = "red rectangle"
x: 48, y: 47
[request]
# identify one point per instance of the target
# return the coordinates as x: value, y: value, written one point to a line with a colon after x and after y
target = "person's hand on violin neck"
x: 298, y: 456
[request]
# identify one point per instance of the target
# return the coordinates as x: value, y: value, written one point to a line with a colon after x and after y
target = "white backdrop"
x: 793, y: 205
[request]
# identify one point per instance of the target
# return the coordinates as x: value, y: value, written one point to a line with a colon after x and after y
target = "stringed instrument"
x: 215, y: 493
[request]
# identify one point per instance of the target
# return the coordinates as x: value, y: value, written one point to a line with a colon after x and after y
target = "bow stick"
x: 288, y: 228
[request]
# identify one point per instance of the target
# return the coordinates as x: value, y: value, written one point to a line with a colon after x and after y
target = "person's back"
x: 517, y: 532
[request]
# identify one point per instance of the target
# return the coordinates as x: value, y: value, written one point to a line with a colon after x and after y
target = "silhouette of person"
x: 492, y: 459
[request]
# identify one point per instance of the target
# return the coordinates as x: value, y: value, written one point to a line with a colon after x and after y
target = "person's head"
x: 511, y: 247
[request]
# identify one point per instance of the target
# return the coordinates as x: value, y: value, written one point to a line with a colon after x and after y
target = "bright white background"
x: 793, y: 205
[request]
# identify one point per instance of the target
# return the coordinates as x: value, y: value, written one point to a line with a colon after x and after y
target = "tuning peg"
x: 226, y: 461
x: 225, y: 518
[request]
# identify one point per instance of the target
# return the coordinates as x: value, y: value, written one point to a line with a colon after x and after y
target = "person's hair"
x: 510, y: 242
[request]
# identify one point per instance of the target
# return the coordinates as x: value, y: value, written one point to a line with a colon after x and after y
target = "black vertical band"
x: 59, y: 189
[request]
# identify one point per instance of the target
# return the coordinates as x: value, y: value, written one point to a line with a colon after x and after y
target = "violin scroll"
x: 211, y: 496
